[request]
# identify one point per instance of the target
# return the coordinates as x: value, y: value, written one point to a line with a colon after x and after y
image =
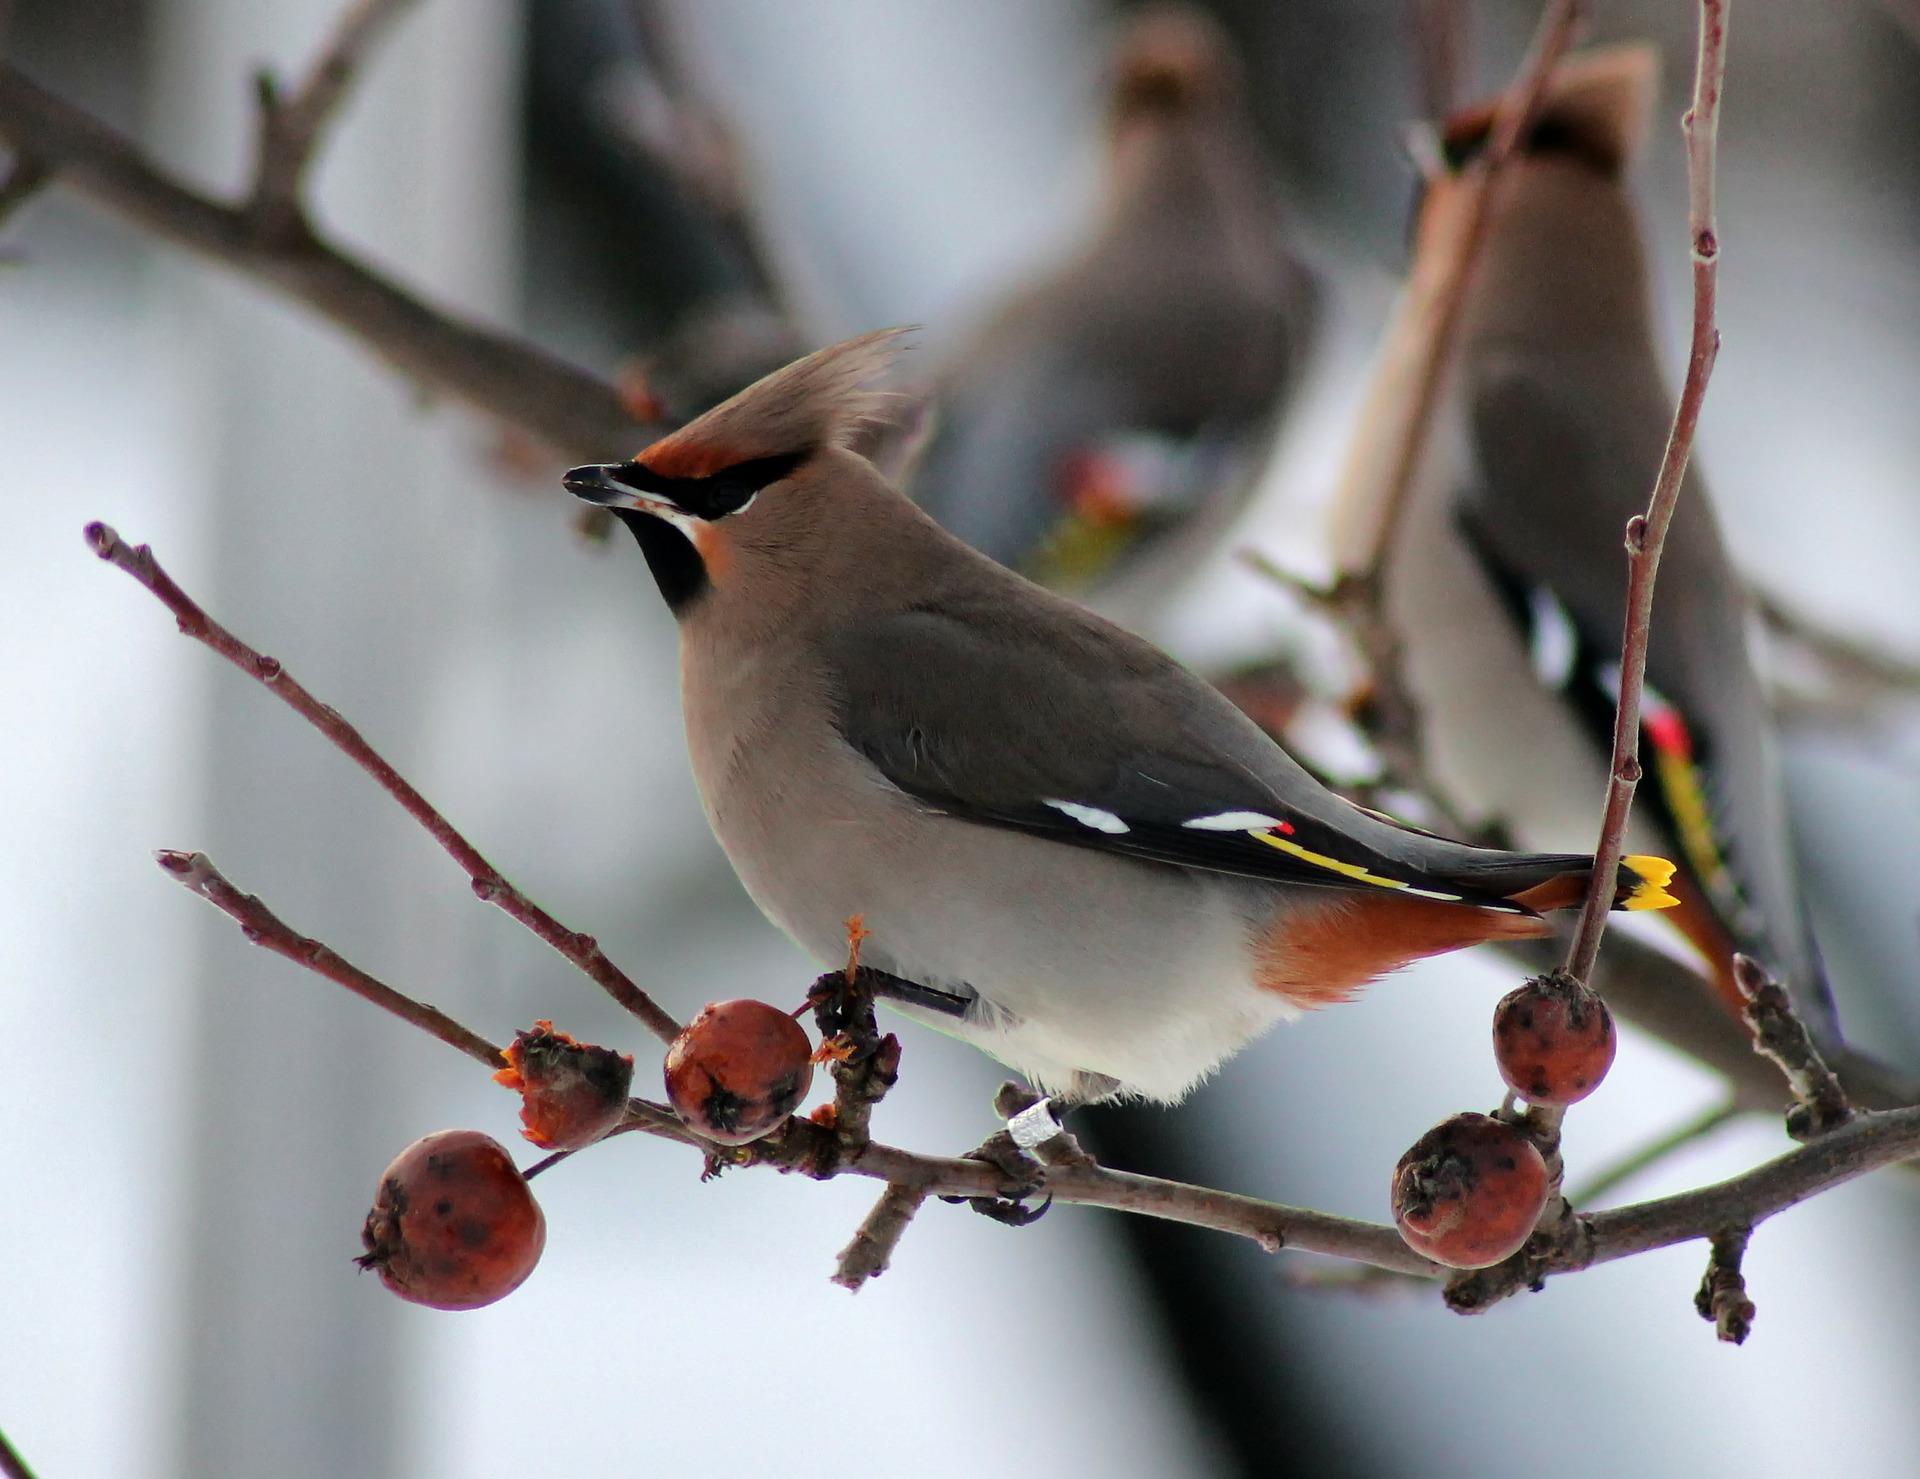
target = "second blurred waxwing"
x: 1503, y: 575
x: 1112, y: 401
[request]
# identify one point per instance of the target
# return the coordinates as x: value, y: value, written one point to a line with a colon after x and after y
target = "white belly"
x: 1084, y: 963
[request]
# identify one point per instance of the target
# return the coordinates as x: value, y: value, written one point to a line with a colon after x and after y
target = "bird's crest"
x: 816, y: 402
x: 1596, y: 107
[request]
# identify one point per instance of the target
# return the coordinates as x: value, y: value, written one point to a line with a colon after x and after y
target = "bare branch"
x: 291, y: 126
x: 1647, y: 533
x: 1401, y: 403
x: 1865, y: 1143
x: 871, y: 1251
x: 195, y: 871
x: 515, y: 382
x: 488, y: 882
x: 1722, y: 1297
x: 1779, y: 1034
x: 865, y: 1063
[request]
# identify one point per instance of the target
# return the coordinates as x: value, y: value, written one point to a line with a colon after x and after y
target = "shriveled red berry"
x: 453, y: 1225
x: 738, y: 1070
x: 571, y: 1093
x: 1553, y: 1039
x: 1469, y: 1192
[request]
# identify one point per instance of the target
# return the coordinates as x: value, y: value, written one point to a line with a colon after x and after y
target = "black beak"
x: 596, y: 483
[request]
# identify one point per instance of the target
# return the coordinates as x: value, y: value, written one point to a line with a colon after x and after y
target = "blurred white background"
x: 195, y: 1128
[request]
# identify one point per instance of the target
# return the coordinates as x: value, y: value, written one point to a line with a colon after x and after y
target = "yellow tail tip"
x: 1651, y: 877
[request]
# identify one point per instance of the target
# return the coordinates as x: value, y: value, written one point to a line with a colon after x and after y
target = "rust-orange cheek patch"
x: 715, y: 550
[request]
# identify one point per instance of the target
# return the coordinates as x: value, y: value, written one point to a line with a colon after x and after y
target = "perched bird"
x: 1501, y: 568
x: 1083, y: 858
x: 1113, y: 401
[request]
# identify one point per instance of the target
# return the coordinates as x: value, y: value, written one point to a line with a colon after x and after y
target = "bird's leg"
x: 1032, y: 1140
x: 1036, y: 1124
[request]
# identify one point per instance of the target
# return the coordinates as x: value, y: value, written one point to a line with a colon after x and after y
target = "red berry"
x: 738, y: 1070
x: 1469, y: 1192
x: 453, y: 1225
x: 571, y: 1093
x: 1553, y: 1040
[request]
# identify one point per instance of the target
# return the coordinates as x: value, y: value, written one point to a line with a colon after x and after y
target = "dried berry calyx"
x: 737, y: 1070
x: 454, y: 1225
x: 571, y: 1093
x: 1553, y: 1040
x: 1469, y: 1192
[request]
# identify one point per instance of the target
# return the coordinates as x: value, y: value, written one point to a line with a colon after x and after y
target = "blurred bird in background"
x: 1111, y: 406
x: 1501, y: 572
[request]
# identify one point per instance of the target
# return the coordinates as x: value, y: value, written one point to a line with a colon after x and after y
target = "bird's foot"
x: 1021, y: 1178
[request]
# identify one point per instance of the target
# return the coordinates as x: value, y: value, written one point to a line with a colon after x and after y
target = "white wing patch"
x: 1555, y: 644
x: 1090, y: 816
x: 1233, y: 821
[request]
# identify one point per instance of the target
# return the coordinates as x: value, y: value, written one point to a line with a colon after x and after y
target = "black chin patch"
x: 717, y: 495
x: 676, y: 565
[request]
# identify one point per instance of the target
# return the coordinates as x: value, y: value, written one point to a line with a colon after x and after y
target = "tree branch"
x: 488, y: 882
x: 1821, y: 1104
x: 504, y: 377
x: 1647, y: 533
x: 871, y: 1251
x: 1400, y: 406
x: 1722, y: 1296
x: 291, y: 126
x: 1560, y: 1234
x: 1865, y: 1143
x: 195, y: 872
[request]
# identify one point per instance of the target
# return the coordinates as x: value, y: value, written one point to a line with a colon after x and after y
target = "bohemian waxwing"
x: 1113, y: 401
x: 1087, y: 861
x: 1502, y: 570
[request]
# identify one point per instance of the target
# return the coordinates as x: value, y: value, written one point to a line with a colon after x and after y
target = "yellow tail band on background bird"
x: 1652, y: 875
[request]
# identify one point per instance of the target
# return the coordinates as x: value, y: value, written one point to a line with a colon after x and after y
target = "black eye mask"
x: 716, y: 495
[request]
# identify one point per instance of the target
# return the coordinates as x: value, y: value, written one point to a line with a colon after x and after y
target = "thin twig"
x: 515, y: 382
x: 1403, y: 399
x: 1647, y: 533
x: 865, y: 1064
x: 871, y: 1251
x: 291, y: 124
x: 1645, y: 538
x: 488, y: 883
x: 1653, y: 1152
x: 196, y: 872
x: 1722, y: 1296
x: 1821, y: 1104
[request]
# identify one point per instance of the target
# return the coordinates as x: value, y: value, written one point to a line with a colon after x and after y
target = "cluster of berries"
x: 1470, y: 1191
x: 454, y: 1223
